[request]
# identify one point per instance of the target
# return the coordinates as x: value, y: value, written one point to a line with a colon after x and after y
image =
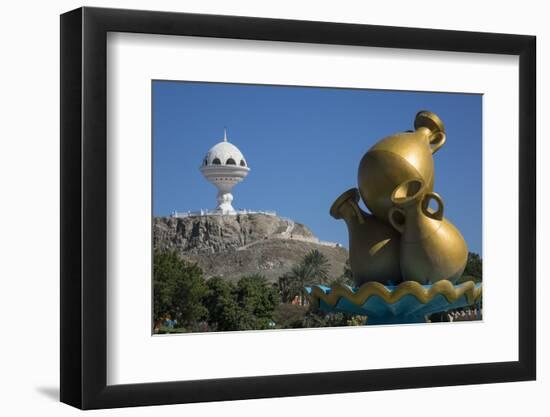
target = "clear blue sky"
x: 303, y: 146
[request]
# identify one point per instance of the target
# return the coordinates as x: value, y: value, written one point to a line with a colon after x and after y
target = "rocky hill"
x: 233, y: 246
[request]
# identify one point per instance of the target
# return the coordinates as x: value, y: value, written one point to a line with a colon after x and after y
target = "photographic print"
x: 287, y: 207
x: 284, y: 185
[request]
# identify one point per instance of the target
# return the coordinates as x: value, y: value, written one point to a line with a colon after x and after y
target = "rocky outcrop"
x: 233, y: 246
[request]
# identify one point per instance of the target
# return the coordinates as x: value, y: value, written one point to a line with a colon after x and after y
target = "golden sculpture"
x: 375, y: 244
x: 396, y: 180
x: 432, y: 249
x: 398, y: 158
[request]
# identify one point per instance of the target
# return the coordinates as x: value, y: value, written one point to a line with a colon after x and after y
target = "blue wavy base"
x: 407, y: 309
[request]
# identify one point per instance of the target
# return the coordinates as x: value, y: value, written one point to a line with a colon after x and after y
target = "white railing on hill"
x: 207, y: 212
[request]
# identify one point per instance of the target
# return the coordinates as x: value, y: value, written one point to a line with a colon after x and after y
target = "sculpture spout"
x: 373, y: 245
x: 346, y: 207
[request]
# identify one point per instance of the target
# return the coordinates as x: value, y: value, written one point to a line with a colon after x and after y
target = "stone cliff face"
x: 233, y: 246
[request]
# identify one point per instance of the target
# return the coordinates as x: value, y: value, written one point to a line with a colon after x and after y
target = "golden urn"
x: 373, y: 244
x: 398, y: 158
x: 432, y: 248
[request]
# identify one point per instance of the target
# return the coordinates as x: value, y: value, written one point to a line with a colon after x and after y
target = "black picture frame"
x: 84, y: 207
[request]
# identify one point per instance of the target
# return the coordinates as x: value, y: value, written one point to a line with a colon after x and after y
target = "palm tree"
x: 302, y: 276
x: 313, y: 269
x: 319, y: 265
x: 287, y: 287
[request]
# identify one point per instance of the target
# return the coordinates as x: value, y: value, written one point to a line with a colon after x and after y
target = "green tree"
x: 222, y: 305
x: 178, y: 289
x: 256, y: 299
x: 248, y: 305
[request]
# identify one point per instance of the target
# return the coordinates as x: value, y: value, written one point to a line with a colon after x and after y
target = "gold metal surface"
x: 396, y: 179
x: 423, y: 295
x: 373, y: 245
x: 398, y: 158
x: 432, y: 248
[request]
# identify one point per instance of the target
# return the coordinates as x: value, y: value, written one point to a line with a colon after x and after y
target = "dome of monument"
x: 224, y: 153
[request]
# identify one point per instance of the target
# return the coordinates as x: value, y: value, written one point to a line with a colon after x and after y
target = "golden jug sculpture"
x: 432, y: 248
x: 373, y: 244
x: 398, y: 158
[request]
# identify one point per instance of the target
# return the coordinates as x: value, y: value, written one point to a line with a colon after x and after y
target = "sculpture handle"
x: 400, y: 227
x: 427, y: 120
x: 437, y: 141
x: 438, y: 214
